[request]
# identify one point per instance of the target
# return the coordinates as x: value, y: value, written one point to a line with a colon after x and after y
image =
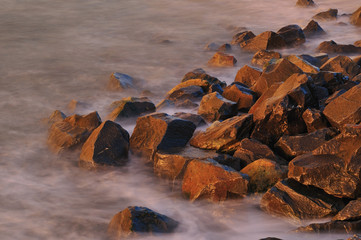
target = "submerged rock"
x: 120, y: 81
x: 333, y: 47
x: 330, y: 14
x: 241, y: 37
x: 305, y: 3
x: 313, y: 29
x: 56, y: 116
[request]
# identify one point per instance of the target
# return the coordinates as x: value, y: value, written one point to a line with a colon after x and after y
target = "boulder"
x: 289, y: 198
x: 159, y: 131
x: 333, y: 226
x: 330, y: 14
x: 314, y: 119
x: 333, y: 81
x: 221, y: 134
x: 356, y: 17
x: 357, y: 59
x: 56, y: 116
x: 247, y: 75
x: 305, y: 3
x: 120, y: 81
x: 207, y: 179
x: 136, y: 220
x: 220, y: 59
x: 293, y: 35
x: 304, y: 65
x: 317, y: 60
x: 263, y: 174
x: 194, y: 118
x: 313, y: 29
x: 225, y: 48
x: 333, y: 47
x: 357, y: 43
x: 199, y: 73
x: 182, y: 104
x: 351, y: 212
x: 241, y: 37
x: 342, y: 64
x: 130, y: 107
x: 107, y: 145
x: 265, y: 41
x: 243, y: 96
x: 263, y: 57
x: 71, y: 132
x: 214, y: 107
x: 192, y: 93
x: 204, y: 84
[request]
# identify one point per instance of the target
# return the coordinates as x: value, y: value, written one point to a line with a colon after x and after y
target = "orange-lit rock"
x: 247, y: 75
x: 220, y: 59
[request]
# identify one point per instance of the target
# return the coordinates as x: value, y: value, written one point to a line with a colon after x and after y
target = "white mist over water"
x: 55, y: 51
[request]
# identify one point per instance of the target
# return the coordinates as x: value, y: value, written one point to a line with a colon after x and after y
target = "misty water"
x: 53, y: 51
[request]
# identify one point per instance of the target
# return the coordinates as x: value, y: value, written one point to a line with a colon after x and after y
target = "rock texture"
x: 293, y: 35
x: 250, y: 150
x: 356, y: 17
x: 333, y: 47
x: 313, y: 29
x: 330, y: 14
x: 247, y: 75
x: 241, y: 37
x: 342, y: 64
x: 243, y: 96
x: 263, y: 57
x: 314, y: 119
x: 264, y: 41
x: 305, y: 3
x: 220, y: 59
x: 214, y: 107
x: 131, y: 107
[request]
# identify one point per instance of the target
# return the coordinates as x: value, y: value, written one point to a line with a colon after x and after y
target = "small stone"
x: 220, y: 59
x: 241, y: 37
x: 330, y: 14
x: 130, y: 107
x: 120, y: 81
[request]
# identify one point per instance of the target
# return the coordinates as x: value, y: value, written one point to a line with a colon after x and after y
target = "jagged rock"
x: 72, y: 131
x: 159, y: 131
x: 317, y: 60
x: 278, y: 71
x: 351, y: 212
x: 199, y: 73
x: 214, y: 107
x: 247, y: 75
x: 357, y: 60
x: 241, y: 37
x: 342, y: 64
x: 204, y: 84
x: 220, y: 59
x: 56, y: 116
x: 356, y: 17
x: 243, y: 96
x: 304, y: 65
x: 333, y: 81
x: 313, y: 29
x: 130, y: 107
x: 345, y: 109
x: 107, y: 145
x: 332, y: 226
x: 221, y: 134
x: 314, y: 119
x: 136, y: 220
x: 333, y: 47
x: 120, y: 81
x: 262, y: 57
x: 292, y: 146
x: 357, y: 78
x: 207, y: 179
x: 330, y: 14
x: 292, y: 199
x: 194, y: 118
x: 263, y: 174
x: 305, y: 3
x: 293, y: 35
x: 265, y: 41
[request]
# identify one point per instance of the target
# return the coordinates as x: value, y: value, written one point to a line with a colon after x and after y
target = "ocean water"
x: 54, y: 51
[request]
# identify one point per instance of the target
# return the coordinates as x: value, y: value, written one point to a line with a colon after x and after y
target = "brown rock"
x: 183, y: 104
x: 214, y: 107
x: 225, y: 48
x: 243, y: 96
x: 206, y: 179
x: 342, y: 64
x: 264, y: 41
x: 305, y: 66
x: 333, y: 226
x: 247, y: 75
x: 351, y: 212
x: 314, y: 119
x: 356, y: 17
x: 192, y: 93
x: 293, y: 35
x: 241, y: 37
x: 75, y: 106
x: 262, y: 57
x: 305, y: 3
x: 194, y: 118
x: 220, y: 59
x: 199, y: 73
x: 250, y: 150
x: 204, y: 84
x: 120, y: 81
x: 333, y: 81
x: 330, y: 14
x: 56, y: 116
x: 107, y: 145
x: 212, y: 46
x: 313, y: 29
x: 357, y: 43
x: 333, y: 47
x: 131, y: 107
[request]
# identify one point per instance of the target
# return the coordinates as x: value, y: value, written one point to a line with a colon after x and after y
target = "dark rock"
x: 331, y: 80
x: 314, y: 119
x: 342, y: 64
x: 330, y: 14
x: 334, y: 96
x: 107, y: 145
x: 320, y: 95
x: 293, y: 35
x: 221, y: 134
x: 241, y: 37
x: 351, y: 212
x: 120, y: 81
x: 356, y: 17
x: 220, y: 59
x: 214, y: 107
x: 270, y: 238
x: 159, y: 131
x: 313, y: 29
x: 199, y: 73
x: 332, y: 226
x: 292, y: 199
x: 247, y: 75
x: 304, y: 65
x: 225, y: 48
x: 183, y: 104
x: 357, y: 78
x: 136, y: 220
x: 194, y: 118
x: 72, y: 131
x: 207, y: 179
x: 243, y: 96
x: 56, y: 116
x: 130, y: 107
x: 263, y: 57
x: 264, y: 41
x: 192, y: 93
x: 305, y: 3
x: 333, y: 47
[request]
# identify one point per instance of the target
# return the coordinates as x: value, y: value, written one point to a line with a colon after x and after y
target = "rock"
x: 290, y: 198
x: 264, y: 41
x: 120, y: 81
x: 247, y: 75
x: 72, y: 131
x: 317, y: 60
x: 75, y: 106
x: 345, y: 109
x: 331, y: 80
x: 305, y: 3
x: 56, y: 116
x: 130, y: 107
x: 333, y: 47
x: 357, y: 78
x: 333, y: 226
x: 243, y: 96
x: 270, y: 238
x: 225, y: 48
x: 293, y: 35
x: 314, y: 119
x: 221, y: 134
x: 342, y: 64
x: 199, y: 73
x: 357, y: 60
x: 263, y: 174
x: 330, y: 14
x: 136, y: 220
x: 184, y: 104
x: 207, y: 179
x: 351, y: 212
x: 212, y: 46
x: 305, y: 66
x: 220, y: 59
x: 192, y: 93
x: 194, y: 118
x: 278, y: 71
x: 356, y: 17
x: 293, y: 146
x: 107, y: 145
x: 313, y: 29
x: 204, y: 84
x: 263, y: 57
x: 241, y: 37
x: 214, y: 107
x: 159, y: 131
x: 357, y: 43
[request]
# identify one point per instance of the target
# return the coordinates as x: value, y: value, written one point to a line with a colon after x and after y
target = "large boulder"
x: 356, y: 17
x: 351, y: 212
x: 130, y: 107
x: 263, y: 57
x: 207, y: 179
x: 247, y: 75
x: 136, y: 220
x: 71, y: 132
x: 221, y: 134
x: 220, y: 59
x: 265, y: 41
x: 342, y: 64
x: 314, y: 119
x: 107, y: 145
x: 333, y: 81
x: 120, y: 81
x: 293, y: 35
x: 243, y: 96
x: 333, y: 47
x: 330, y: 14
x: 215, y: 107
x: 305, y: 3
x: 313, y: 29
x: 241, y: 37
x: 159, y: 131
x: 303, y: 64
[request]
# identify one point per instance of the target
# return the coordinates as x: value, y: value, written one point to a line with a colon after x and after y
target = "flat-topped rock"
x: 215, y: 107
x: 130, y: 107
x: 220, y: 59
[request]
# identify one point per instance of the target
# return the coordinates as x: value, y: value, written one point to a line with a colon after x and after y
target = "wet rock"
x: 305, y: 3
x: 263, y: 174
x: 333, y: 226
x: 304, y: 65
x: 194, y: 118
x: 265, y: 41
x: 220, y: 59
x: 250, y: 150
x: 247, y: 75
x: 292, y: 199
x: 333, y: 47
x: 207, y: 179
x: 241, y: 37
x: 136, y: 220
x: 292, y: 146
x: 345, y: 109
x: 214, y: 107
x: 263, y: 57
x: 183, y: 104
x: 130, y: 107
x: 313, y: 29
x: 107, y: 145
x: 159, y: 131
x: 221, y: 134
x: 293, y: 35
x: 120, y: 81
x: 342, y: 64
x: 199, y: 73
x: 330, y: 14
x: 192, y: 93
x: 243, y: 96
x: 331, y: 80
x: 356, y: 17
x: 72, y: 131
x: 204, y: 84
x: 357, y: 60
x: 317, y: 60
x: 351, y: 212
x: 56, y: 116
x: 314, y: 119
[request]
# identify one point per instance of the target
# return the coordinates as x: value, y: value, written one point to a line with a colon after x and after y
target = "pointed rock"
x: 130, y: 107
x: 247, y: 75
x: 241, y: 37
x: 120, y: 81
x: 293, y: 35
x: 243, y: 96
x: 356, y: 17
x: 330, y: 14
x: 264, y: 41
x: 313, y: 29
